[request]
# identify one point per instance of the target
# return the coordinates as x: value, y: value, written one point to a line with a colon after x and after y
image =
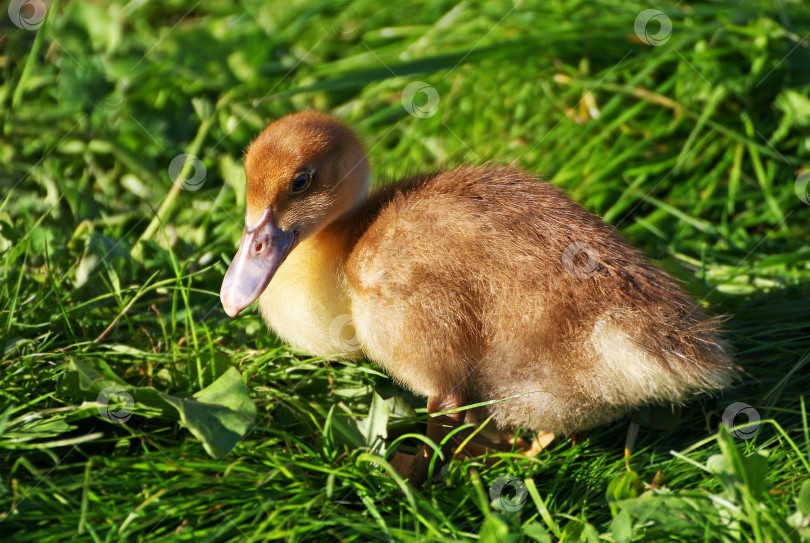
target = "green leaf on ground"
x: 219, y: 415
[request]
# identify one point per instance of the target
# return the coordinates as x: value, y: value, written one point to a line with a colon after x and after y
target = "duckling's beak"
x: 263, y: 248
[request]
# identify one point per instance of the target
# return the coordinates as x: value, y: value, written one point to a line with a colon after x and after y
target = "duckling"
x: 470, y: 285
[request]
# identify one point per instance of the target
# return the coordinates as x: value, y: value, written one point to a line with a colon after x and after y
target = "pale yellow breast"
x: 306, y: 303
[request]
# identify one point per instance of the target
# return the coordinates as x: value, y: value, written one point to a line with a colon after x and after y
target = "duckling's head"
x: 303, y: 171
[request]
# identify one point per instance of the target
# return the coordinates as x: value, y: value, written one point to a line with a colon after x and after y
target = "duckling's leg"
x: 415, y: 467
x: 440, y: 425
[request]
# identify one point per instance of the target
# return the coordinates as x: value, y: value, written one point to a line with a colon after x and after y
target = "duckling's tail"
x: 662, y: 356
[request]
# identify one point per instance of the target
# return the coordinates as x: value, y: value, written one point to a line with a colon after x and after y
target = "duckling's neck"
x: 306, y: 302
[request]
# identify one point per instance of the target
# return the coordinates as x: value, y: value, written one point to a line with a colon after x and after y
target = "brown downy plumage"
x: 467, y: 285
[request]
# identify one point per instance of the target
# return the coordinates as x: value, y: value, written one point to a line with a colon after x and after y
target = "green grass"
x: 691, y: 148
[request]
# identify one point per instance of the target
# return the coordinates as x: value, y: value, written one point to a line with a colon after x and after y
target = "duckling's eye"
x: 300, y: 183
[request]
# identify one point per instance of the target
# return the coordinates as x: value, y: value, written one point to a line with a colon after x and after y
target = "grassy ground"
x: 691, y: 144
